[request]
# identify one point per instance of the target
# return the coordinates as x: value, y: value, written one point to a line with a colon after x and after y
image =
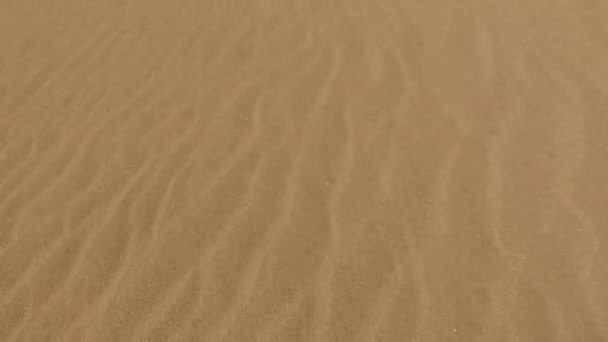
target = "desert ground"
x: 320, y: 170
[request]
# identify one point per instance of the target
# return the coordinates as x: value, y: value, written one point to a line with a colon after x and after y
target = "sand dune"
x: 303, y: 171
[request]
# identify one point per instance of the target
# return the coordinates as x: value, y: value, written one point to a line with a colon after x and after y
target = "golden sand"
x: 335, y: 170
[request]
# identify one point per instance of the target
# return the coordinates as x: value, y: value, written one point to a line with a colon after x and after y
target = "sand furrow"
x: 175, y: 310
x: 303, y: 171
x: 256, y: 261
x: 237, y: 156
x: 73, y: 138
x: 208, y: 261
x: 383, y: 304
x: 273, y: 233
x: 49, y: 72
x: 226, y: 169
x: 275, y: 324
x: 109, y: 227
x: 227, y: 230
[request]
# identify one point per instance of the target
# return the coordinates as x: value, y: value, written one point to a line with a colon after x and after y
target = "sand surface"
x: 331, y: 170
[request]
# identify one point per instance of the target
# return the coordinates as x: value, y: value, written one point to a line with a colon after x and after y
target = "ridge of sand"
x: 303, y: 171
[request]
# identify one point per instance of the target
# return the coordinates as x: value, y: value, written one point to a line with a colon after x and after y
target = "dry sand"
x: 303, y: 170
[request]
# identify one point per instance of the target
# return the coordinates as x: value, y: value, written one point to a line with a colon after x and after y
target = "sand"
x: 303, y: 170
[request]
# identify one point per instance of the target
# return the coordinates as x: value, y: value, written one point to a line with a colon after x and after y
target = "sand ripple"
x: 303, y: 171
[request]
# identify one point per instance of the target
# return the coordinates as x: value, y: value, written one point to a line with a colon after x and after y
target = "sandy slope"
x: 303, y: 170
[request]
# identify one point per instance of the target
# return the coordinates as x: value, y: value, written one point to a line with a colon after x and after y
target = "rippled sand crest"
x: 303, y: 170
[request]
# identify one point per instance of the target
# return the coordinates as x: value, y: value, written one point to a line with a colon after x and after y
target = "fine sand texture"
x: 319, y: 170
